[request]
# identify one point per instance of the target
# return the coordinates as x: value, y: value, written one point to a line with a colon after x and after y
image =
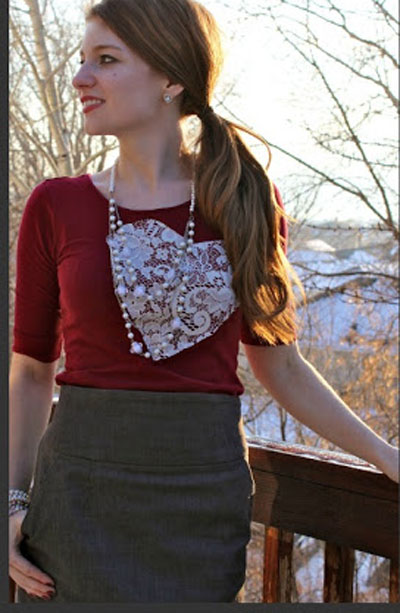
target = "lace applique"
x: 151, y: 247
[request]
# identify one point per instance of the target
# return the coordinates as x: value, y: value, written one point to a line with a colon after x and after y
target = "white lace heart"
x: 148, y: 253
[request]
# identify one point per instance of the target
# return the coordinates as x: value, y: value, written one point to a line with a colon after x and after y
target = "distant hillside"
x: 340, y: 237
x: 348, y: 289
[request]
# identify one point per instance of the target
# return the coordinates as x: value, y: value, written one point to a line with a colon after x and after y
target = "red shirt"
x: 65, y: 294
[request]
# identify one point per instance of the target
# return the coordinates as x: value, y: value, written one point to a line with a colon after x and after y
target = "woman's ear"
x: 173, y: 89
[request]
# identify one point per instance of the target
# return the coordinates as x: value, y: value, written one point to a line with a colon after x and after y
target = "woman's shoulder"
x: 64, y: 184
x: 53, y: 195
x: 59, y: 184
x: 58, y: 190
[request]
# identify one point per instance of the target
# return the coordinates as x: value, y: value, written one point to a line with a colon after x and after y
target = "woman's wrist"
x: 18, y: 500
x: 388, y: 460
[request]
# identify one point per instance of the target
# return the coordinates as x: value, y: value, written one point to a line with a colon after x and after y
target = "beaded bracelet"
x: 18, y: 500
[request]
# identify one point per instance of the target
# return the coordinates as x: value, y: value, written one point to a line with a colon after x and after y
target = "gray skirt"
x: 141, y: 496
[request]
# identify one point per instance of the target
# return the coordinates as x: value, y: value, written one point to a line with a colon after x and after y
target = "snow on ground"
x: 333, y: 316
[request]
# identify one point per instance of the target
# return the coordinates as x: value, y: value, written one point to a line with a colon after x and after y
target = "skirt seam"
x: 226, y: 463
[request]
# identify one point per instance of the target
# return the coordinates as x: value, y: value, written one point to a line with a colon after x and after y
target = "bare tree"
x: 347, y: 54
x: 328, y: 37
x: 47, y: 136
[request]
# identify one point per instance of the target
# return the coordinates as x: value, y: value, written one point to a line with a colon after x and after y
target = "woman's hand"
x: 34, y: 581
x: 389, y: 462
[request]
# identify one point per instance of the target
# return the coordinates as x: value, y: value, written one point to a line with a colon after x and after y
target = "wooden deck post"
x: 277, y: 577
x: 394, y: 581
x: 338, y: 573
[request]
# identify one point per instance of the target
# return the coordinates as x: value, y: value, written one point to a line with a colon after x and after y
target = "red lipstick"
x: 90, y: 103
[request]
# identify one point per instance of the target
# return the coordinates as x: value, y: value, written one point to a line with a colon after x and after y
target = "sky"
x: 276, y: 95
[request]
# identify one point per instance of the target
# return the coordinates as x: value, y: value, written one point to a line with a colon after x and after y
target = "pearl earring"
x: 167, y: 98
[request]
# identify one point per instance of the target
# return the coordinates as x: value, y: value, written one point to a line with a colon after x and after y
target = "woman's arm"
x: 304, y: 393
x: 30, y: 399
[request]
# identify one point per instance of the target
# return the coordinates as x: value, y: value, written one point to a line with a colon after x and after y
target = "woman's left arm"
x: 298, y: 387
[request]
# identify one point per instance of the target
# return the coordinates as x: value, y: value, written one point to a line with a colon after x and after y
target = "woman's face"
x: 119, y: 91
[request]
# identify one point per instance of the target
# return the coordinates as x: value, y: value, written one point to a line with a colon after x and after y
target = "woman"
x: 150, y: 272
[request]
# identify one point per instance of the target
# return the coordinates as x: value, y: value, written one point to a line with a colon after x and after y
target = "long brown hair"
x: 181, y: 39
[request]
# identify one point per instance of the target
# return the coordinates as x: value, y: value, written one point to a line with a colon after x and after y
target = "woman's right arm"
x: 36, y: 348
x: 30, y: 398
x: 31, y: 387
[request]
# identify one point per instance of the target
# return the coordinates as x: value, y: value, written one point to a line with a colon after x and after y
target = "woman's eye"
x: 109, y: 59
x: 104, y: 59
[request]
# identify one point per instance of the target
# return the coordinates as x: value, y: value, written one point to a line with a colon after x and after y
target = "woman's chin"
x: 93, y: 131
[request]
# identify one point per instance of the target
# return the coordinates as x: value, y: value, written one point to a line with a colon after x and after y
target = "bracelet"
x: 17, y: 506
x: 18, y: 500
x: 18, y: 495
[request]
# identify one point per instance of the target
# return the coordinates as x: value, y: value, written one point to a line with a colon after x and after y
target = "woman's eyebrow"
x: 99, y: 47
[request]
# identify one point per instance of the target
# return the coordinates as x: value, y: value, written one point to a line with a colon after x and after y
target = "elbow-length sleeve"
x: 247, y: 336
x: 37, y: 330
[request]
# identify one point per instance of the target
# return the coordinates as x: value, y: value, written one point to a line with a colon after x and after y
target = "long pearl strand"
x: 116, y: 227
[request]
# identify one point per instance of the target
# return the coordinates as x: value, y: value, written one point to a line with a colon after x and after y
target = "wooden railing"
x: 330, y: 496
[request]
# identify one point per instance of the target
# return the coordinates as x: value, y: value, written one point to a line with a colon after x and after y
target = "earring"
x: 167, y: 98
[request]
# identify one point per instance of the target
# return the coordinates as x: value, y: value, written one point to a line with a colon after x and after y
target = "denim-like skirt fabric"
x: 141, y: 496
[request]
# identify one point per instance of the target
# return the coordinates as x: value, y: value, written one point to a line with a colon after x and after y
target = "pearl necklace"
x: 116, y: 228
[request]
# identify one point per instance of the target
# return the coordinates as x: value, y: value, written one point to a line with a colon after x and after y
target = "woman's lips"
x: 91, y: 106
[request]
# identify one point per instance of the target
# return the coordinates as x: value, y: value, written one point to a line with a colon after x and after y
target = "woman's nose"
x: 84, y: 77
